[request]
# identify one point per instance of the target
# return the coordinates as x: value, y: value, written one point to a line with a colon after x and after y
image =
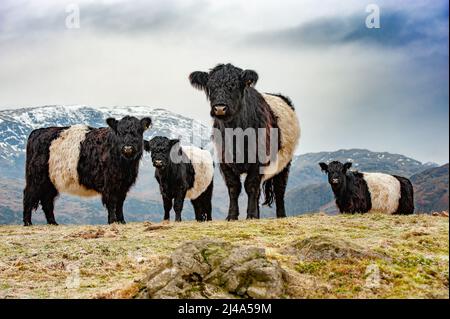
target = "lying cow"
x: 182, y: 172
x: 357, y: 192
x: 83, y: 161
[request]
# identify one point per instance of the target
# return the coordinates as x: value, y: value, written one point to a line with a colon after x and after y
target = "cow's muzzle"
x: 220, y: 110
x: 128, y: 151
x: 158, y: 163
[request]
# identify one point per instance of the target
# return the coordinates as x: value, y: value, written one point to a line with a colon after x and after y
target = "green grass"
x: 36, y: 262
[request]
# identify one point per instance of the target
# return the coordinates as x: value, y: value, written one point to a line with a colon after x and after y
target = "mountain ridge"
x: 16, y: 125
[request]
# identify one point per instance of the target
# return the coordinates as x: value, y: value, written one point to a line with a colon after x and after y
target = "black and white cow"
x: 182, y: 172
x: 236, y: 104
x: 357, y: 192
x: 83, y: 161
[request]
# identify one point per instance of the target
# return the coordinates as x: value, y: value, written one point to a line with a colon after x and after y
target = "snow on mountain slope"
x: 143, y: 202
x: 144, y: 198
x: 16, y: 125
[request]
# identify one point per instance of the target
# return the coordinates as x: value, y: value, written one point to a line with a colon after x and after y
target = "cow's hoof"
x: 231, y: 218
x: 123, y: 222
x: 53, y: 223
x: 26, y: 224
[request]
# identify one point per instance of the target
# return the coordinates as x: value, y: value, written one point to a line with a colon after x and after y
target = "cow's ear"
x: 147, y: 147
x: 249, y: 77
x: 146, y: 122
x: 174, y: 142
x: 347, y: 166
x: 198, y: 79
x: 112, y: 123
x: 324, y: 167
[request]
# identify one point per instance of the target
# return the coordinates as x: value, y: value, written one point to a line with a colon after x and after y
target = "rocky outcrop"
x: 215, y: 269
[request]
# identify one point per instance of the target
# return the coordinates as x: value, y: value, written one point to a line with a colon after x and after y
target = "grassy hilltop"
x: 312, y: 256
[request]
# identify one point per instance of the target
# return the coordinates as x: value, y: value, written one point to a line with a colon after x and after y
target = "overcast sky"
x: 383, y: 89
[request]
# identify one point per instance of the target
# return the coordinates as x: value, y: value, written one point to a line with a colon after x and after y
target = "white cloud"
x: 349, y: 95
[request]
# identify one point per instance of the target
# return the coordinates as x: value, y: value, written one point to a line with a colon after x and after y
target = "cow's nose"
x: 220, y: 109
x: 127, y: 150
x: 157, y: 163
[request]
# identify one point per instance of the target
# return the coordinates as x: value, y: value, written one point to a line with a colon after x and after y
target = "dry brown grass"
x: 39, y: 261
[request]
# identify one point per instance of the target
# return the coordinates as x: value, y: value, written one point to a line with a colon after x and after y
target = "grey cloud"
x: 18, y: 19
x: 398, y: 29
x: 336, y: 81
x: 142, y: 17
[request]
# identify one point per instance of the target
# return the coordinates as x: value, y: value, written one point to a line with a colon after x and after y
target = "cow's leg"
x: 279, y: 187
x: 167, y: 207
x: 48, y: 202
x: 207, y: 205
x: 110, y: 204
x: 119, y: 208
x: 233, y: 182
x: 30, y: 203
x: 178, y: 205
x: 198, y: 209
x: 202, y: 205
x: 252, y: 188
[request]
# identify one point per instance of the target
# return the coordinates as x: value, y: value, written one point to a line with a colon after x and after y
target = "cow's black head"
x: 336, y: 173
x: 224, y: 87
x: 128, y: 135
x: 161, y: 148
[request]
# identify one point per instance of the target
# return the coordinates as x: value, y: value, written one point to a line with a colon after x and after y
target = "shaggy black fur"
x: 349, y: 188
x: 175, y: 179
x: 108, y: 163
x: 236, y: 104
x: 406, y: 202
x: 39, y: 188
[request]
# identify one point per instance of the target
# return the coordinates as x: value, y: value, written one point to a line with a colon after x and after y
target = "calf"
x: 83, y: 161
x: 182, y: 172
x: 357, y: 192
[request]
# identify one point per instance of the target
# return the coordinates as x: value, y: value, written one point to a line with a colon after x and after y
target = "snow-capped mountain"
x: 306, y: 188
x: 16, y: 125
x: 143, y: 202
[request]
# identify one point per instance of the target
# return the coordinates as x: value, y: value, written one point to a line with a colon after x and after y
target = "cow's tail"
x: 269, y: 193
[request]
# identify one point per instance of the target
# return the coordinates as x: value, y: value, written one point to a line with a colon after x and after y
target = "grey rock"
x: 215, y: 269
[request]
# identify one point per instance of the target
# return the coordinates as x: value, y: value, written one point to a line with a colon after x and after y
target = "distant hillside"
x: 309, y: 199
x: 307, y: 188
x: 143, y: 202
x: 72, y: 210
x: 306, y: 171
x: 431, y: 189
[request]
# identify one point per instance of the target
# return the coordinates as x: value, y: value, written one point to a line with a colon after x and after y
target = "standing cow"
x: 357, y: 192
x: 182, y: 172
x: 236, y: 104
x: 83, y: 161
